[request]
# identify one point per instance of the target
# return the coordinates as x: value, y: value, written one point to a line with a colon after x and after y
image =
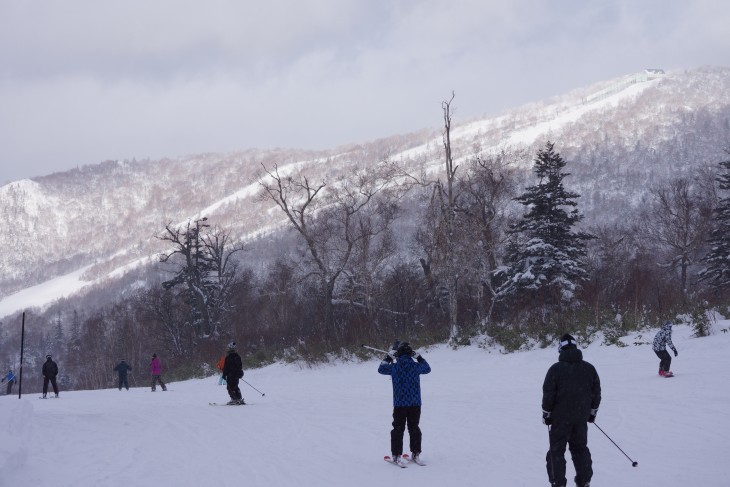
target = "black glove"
x: 416, y: 355
x: 546, y: 419
x: 592, y: 417
x: 388, y: 359
x: 419, y: 359
x: 676, y: 352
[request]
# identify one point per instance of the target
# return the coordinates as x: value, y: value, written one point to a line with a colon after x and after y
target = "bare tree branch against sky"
x: 82, y: 81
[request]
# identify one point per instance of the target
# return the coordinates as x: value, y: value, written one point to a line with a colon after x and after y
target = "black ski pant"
x: 232, y: 386
x: 155, y: 380
x: 10, y: 386
x: 53, y: 383
x: 665, y: 360
x: 123, y: 382
x: 410, y: 415
x: 576, y: 436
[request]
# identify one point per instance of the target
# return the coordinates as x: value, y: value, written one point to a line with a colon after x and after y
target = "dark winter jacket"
x: 663, y: 338
x: 405, y: 374
x: 232, y: 367
x: 122, y: 368
x: 50, y: 369
x: 571, y: 388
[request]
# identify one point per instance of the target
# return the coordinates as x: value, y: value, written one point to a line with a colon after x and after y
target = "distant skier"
x: 50, y: 371
x: 232, y: 373
x: 122, y: 368
x: 156, y: 372
x: 405, y: 374
x: 571, y: 395
x: 219, y: 365
x: 10, y: 377
x: 662, y: 340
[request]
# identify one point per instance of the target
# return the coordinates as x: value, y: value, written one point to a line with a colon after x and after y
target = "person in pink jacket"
x: 156, y: 371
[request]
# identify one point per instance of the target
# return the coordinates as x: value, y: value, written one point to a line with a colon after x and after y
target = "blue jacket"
x: 10, y: 376
x: 406, y: 379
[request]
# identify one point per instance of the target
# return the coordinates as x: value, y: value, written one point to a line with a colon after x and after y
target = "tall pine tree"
x: 544, y: 253
x: 717, y: 272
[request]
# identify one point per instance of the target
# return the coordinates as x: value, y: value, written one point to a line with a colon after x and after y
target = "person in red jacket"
x: 156, y: 371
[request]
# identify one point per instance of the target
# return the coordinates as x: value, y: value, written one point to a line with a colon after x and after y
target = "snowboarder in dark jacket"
x: 662, y: 340
x: 50, y: 371
x: 571, y: 395
x: 232, y: 373
x: 122, y: 368
x: 405, y: 374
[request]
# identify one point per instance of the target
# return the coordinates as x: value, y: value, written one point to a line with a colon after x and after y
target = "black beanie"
x: 567, y: 341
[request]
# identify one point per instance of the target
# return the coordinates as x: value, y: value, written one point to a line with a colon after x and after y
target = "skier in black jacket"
x: 121, y: 368
x: 232, y: 372
x: 50, y: 371
x: 571, y: 395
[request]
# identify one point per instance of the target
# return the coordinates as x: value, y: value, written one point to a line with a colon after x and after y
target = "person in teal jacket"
x: 10, y: 377
x: 405, y: 373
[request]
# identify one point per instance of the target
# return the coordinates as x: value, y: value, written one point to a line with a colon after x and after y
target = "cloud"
x: 84, y: 81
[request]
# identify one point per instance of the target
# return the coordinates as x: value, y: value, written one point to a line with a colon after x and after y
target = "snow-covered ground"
x: 329, y: 426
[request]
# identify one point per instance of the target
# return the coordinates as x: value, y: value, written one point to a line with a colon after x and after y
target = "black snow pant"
x: 123, y: 382
x: 576, y: 436
x: 233, y: 390
x: 665, y: 360
x: 53, y: 383
x: 10, y: 387
x: 155, y: 380
x: 410, y: 415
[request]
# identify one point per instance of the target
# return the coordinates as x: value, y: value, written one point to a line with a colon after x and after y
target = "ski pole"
x: 376, y: 349
x: 633, y: 463
x: 550, y: 452
x: 252, y: 387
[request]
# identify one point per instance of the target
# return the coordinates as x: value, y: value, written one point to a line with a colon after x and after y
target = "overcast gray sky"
x: 82, y: 81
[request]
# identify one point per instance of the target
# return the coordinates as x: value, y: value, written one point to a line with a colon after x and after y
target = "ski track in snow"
x: 330, y: 425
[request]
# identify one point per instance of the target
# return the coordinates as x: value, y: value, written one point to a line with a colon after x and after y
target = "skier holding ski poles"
x: 10, y: 377
x: 571, y: 395
x: 405, y: 374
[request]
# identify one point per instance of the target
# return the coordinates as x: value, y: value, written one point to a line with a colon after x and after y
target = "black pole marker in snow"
x: 633, y: 463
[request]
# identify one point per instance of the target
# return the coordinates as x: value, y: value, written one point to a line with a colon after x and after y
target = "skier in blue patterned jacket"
x: 662, y: 340
x: 405, y: 373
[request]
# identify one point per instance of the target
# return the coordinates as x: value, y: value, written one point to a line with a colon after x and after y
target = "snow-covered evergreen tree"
x: 717, y: 272
x: 543, y: 257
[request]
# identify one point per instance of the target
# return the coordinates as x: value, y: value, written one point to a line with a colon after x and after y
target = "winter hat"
x: 231, y: 347
x: 567, y: 341
x: 404, y: 348
x: 48, y: 356
x: 154, y: 355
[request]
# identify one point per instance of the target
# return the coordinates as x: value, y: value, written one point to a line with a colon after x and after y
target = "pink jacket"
x: 156, y: 366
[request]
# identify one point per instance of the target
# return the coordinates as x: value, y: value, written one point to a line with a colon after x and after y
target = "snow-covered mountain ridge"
x: 617, y: 137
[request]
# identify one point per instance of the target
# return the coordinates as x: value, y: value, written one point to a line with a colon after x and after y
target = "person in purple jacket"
x: 156, y: 371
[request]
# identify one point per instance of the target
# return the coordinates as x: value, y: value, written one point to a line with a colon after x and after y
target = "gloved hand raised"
x: 388, y: 358
x: 546, y: 419
x: 676, y: 352
x: 416, y: 356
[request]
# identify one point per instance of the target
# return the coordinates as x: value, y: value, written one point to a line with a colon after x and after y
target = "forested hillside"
x: 589, y: 212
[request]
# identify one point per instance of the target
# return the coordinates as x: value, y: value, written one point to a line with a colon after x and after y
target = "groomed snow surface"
x: 330, y: 426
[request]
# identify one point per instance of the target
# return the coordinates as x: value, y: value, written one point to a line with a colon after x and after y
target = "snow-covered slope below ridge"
x: 616, y: 135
